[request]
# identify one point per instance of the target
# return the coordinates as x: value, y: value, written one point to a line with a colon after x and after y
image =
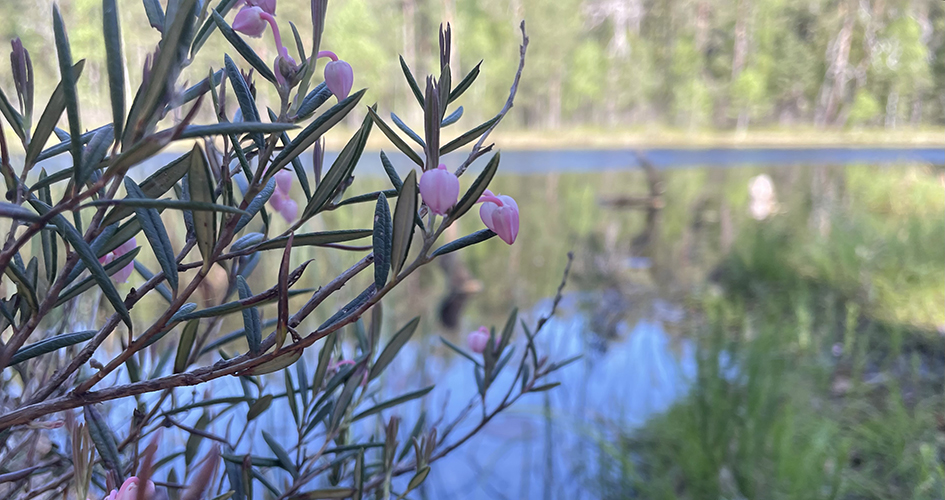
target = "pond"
x: 645, y: 241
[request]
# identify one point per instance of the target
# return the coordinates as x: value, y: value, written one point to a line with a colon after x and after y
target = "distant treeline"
x: 693, y: 64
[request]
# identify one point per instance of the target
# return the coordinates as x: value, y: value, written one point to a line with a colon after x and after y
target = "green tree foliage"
x: 595, y: 62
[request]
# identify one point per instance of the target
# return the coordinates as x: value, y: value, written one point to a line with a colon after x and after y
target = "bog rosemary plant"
x: 80, y: 230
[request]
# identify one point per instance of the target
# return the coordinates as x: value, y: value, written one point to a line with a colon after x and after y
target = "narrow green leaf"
x: 339, y: 172
x: 48, y: 237
x: 193, y: 442
x: 465, y: 84
x: 343, y: 401
x: 244, y: 97
x: 50, y: 344
x: 155, y: 185
x: 290, y: 395
x: 259, y: 407
x: 382, y: 241
x: 209, y: 25
x: 13, y: 117
x: 155, y: 14
x: 324, y: 359
x: 104, y: 441
x: 168, y: 204
x: 362, y: 198
x: 394, y: 138
x: 64, y: 53
x: 393, y: 347
x: 465, y: 241
x: 252, y: 325
x: 24, y: 287
x: 257, y: 204
x: 279, y: 363
x: 186, y: 345
x: 475, y: 191
x: 313, y: 101
x: 49, y: 118
x: 164, y: 72
x: 64, y: 146
x: 411, y: 81
x: 407, y: 130
x: 154, y: 230
x: 244, y: 127
x: 325, y: 494
x: 200, y: 185
x: 418, y: 478
x: 111, y: 29
x: 232, y: 307
x: 460, y: 351
x: 243, y: 48
x: 390, y: 403
x: 282, y: 327
x: 350, y: 307
x: 296, y: 162
x: 69, y: 233
x: 404, y: 214
x: 17, y: 212
x: 247, y: 241
x: 314, y: 130
x: 546, y: 387
x: 94, y: 154
x: 453, y: 117
x: 432, y: 117
x: 391, y: 172
x: 469, y: 136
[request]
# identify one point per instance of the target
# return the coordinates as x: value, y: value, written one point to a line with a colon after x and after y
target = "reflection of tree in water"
x: 461, y: 286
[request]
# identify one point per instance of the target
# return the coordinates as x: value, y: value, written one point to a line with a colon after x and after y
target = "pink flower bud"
x: 283, y: 181
x: 124, y: 273
x: 290, y: 210
x: 129, y: 490
x: 478, y: 340
x: 280, y: 200
x: 500, y: 214
x: 440, y: 189
x: 339, y: 77
x: 250, y: 21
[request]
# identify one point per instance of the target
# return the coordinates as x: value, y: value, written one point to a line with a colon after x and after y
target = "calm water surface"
x: 642, y: 243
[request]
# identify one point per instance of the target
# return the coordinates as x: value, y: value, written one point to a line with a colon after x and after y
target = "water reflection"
x: 644, y: 240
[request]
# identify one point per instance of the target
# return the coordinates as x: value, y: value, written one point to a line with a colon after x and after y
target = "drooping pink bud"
x: 500, y: 214
x: 290, y: 210
x: 280, y: 200
x: 124, y: 273
x: 250, y: 21
x: 440, y: 189
x: 478, y: 340
x: 339, y: 77
x: 129, y: 490
x: 283, y: 181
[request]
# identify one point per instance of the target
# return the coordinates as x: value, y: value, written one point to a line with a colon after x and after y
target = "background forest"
x: 691, y: 65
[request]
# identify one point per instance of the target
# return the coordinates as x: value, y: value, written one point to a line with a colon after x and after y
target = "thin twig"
x: 475, y: 153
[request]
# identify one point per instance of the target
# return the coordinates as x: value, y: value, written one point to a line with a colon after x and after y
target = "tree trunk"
x: 740, y: 51
x: 892, y: 109
x: 831, y: 92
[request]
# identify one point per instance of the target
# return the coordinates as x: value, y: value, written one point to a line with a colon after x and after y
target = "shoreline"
x: 610, y: 139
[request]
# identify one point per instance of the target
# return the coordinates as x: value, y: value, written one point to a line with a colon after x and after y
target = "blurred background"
x: 754, y: 193
x: 657, y: 69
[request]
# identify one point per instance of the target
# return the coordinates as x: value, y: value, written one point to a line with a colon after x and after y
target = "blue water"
x: 579, y: 160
